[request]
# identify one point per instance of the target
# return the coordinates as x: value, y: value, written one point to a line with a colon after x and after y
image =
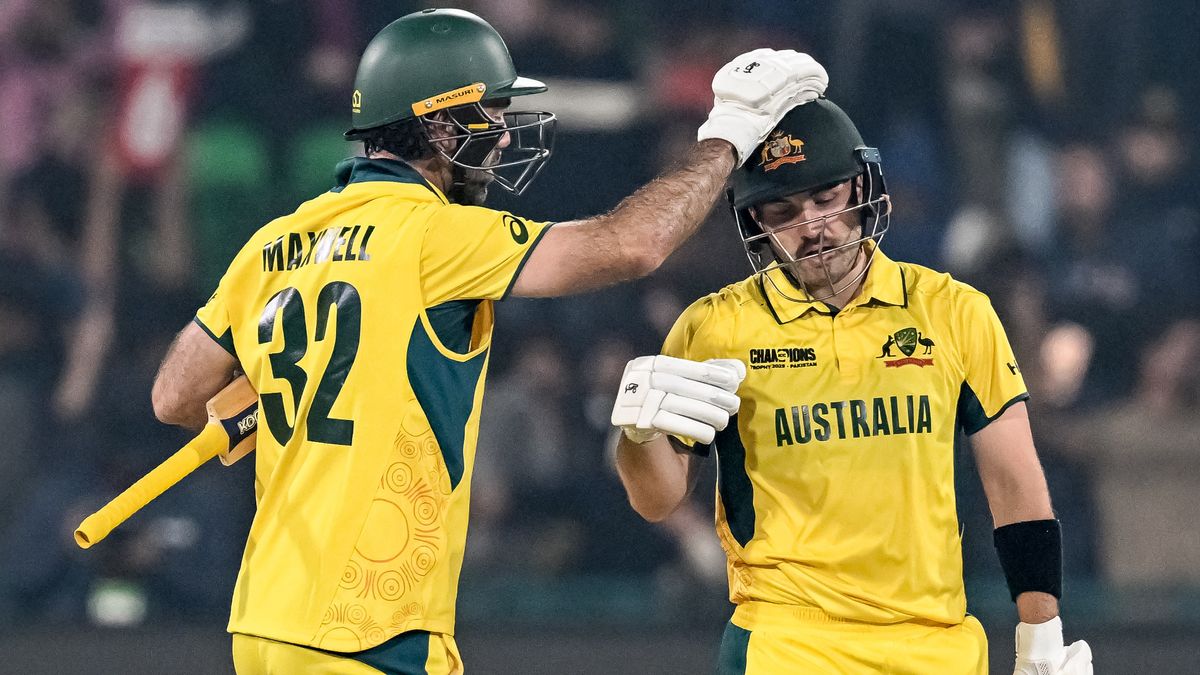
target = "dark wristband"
x: 1031, y: 556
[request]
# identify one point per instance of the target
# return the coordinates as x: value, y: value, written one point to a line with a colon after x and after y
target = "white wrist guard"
x: 1040, y: 651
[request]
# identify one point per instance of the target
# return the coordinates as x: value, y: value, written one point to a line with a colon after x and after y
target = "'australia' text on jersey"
x: 856, y: 418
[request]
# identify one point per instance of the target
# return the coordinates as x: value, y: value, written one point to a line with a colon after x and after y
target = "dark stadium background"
x: 1041, y: 150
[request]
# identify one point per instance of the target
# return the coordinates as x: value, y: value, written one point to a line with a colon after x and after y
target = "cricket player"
x: 364, y: 319
x: 831, y: 384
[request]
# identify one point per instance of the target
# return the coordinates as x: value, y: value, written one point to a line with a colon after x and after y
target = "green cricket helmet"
x: 452, y: 60
x: 815, y: 145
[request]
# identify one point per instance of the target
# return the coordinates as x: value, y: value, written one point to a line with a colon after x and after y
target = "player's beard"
x: 827, y: 273
x: 470, y: 186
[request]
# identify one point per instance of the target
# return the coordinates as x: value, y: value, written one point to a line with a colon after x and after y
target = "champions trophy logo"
x: 907, y: 340
x: 780, y: 149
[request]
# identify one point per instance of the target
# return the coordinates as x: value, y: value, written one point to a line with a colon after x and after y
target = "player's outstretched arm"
x: 1028, y: 543
x: 635, y: 238
x: 751, y: 94
x: 662, y: 395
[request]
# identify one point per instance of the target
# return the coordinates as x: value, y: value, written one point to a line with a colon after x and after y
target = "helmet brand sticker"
x: 468, y: 94
x: 356, y: 101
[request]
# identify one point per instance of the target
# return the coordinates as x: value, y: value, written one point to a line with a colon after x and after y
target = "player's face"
x: 476, y: 182
x: 495, y: 113
x: 815, y: 230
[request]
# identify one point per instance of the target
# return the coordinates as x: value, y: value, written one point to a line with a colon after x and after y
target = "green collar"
x: 366, y: 170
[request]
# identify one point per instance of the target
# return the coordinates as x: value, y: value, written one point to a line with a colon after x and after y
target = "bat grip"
x: 210, y: 441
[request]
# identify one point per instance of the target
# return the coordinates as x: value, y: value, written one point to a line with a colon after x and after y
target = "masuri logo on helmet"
x: 472, y: 93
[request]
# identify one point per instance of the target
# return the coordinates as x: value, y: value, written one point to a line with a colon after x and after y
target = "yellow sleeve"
x: 474, y: 253
x: 684, y: 342
x: 213, y: 318
x: 992, y: 378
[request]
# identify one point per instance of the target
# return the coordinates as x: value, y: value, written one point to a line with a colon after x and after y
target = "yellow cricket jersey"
x: 363, y: 320
x: 836, y: 478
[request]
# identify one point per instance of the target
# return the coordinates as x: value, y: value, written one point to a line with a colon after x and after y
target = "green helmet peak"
x: 428, y: 61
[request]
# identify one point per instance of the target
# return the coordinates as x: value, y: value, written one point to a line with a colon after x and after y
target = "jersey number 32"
x: 285, y: 363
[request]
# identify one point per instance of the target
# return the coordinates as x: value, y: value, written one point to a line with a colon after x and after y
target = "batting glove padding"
x: 663, y: 394
x: 1040, y: 651
x: 754, y: 91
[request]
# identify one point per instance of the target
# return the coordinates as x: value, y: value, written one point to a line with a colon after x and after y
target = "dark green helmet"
x: 453, y: 61
x: 815, y: 145
x: 431, y: 60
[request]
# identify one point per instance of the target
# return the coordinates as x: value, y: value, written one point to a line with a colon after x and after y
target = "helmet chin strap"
x: 438, y: 131
x: 461, y: 189
x: 464, y: 191
x: 786, y: 262
x: 470, y: 151
x: 868, y: 245
x: 457, y: 192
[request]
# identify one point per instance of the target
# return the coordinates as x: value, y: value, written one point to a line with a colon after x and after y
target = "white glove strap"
x: 729, y: 123
x: 1041, y: 641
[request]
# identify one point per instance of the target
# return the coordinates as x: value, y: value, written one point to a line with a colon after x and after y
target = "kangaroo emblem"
x: 887, y: 347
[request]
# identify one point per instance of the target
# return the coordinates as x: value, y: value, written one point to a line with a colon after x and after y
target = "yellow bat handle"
x: 207, y: 444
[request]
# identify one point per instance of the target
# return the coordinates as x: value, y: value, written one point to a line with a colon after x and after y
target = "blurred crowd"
x: 1043, y: 151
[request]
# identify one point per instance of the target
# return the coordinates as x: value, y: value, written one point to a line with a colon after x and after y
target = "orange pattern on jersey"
x: 409, y: 506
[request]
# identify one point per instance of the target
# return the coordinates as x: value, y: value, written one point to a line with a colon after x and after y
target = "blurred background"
x: 1040, y: 150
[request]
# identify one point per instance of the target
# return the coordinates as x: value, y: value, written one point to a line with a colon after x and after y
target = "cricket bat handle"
x: 206, y: 445
x: 231, y: 433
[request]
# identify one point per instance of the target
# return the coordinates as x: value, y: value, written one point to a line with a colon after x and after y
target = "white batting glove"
x: 1040, y: 651
x: 663, y: 394
x: 755, y: 90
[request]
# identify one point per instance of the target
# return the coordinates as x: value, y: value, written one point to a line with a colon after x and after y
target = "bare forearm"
x: 634, y: 238
x: 188, y: 413
x: 654, y: 475
x: 1018, y: 497
x: 194, y: 369
x: 1009, y: 469
x: 1016, y: 491
x: 659, y: 217
x: 1036, y: 607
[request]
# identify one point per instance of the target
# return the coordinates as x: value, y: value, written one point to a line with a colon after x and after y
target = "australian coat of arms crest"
x: 779, y: 149
x: 906, y: 340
